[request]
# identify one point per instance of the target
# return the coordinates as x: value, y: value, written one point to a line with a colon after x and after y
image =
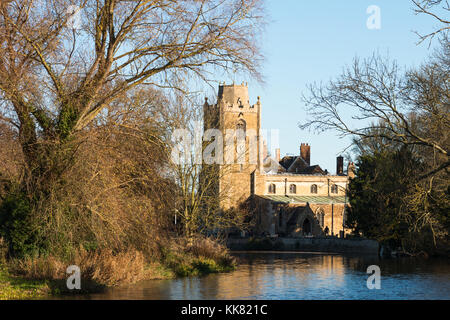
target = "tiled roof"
x: 299, y: 162
x: 271, y: 163
x: 314, y: 169
x: 304, y: 199
x: 287, y: 161
x: 297, y: 165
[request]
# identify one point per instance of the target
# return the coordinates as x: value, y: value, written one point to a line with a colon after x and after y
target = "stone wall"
x: 267, y: 216
x: 303, y: 184
x: 333, y: 218
x: 326, y: 244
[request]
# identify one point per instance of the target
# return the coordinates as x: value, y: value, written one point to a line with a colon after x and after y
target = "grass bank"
x: 13, y: 288
x: 46, y: 276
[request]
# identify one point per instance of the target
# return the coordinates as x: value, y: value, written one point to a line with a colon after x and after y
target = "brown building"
x: 289, y: 196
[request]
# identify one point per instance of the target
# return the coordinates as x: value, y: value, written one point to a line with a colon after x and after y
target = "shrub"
x: 41, y: 268
x: 3, y: 251
x: 101, y: 266
x: 197, y: 257
x: 17, y: 228
x: 210, y: 249
x: 205, y: 266
x: 107, y: 268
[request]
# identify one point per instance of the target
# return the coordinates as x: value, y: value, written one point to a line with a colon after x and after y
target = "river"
x: 298, y: 276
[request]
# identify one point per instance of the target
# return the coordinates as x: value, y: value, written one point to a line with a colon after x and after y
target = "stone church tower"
x: 288, y: 196
x: 237, y: 120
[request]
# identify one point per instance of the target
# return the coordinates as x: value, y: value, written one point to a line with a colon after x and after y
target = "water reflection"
x: 293, y: 275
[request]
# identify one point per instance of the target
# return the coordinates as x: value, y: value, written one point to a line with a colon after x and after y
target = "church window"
x: 334, y: 188
x: 272, y: 188
x: 320, y: 216
x: 293, y: 188
x: 241, y: 125
x: 314, y: 188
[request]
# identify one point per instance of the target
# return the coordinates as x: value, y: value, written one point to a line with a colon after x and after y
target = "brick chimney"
x: 305, y: 152
x: 351, y: 170
x: 277, y: 154
x: 340, y: 165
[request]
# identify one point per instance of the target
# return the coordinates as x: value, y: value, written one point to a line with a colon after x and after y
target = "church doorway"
x: 306, y: 227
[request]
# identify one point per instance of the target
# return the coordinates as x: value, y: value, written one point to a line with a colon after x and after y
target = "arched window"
x: 307, y: 230
x: 241, y: 125
x: 293, y: 188
x: 334, y: 188
x: 320, y: 216
x: 272, y: 188
x: 314, y: 188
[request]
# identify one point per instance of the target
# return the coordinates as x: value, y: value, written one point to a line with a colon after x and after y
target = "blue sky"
x: 311, y: 41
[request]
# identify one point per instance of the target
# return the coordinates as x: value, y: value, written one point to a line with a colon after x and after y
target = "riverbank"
x: 14, y: 287
x: 46, y: 276
x: 326, y: 245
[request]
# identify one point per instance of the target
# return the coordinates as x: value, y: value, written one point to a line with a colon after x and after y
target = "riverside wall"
x: 326, y: 244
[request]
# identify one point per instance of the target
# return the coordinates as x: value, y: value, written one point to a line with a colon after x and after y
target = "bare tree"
x: 426, y: 7
x: 387, y: 109
x: 60, y: 68
x: 200, y: 198
x: 408, y: 109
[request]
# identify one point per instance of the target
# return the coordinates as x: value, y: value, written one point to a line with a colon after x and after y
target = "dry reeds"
x: 102, y: 267
x: 210, y: 249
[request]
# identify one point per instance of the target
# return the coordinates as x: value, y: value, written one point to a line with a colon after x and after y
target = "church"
x: 288, y: 196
